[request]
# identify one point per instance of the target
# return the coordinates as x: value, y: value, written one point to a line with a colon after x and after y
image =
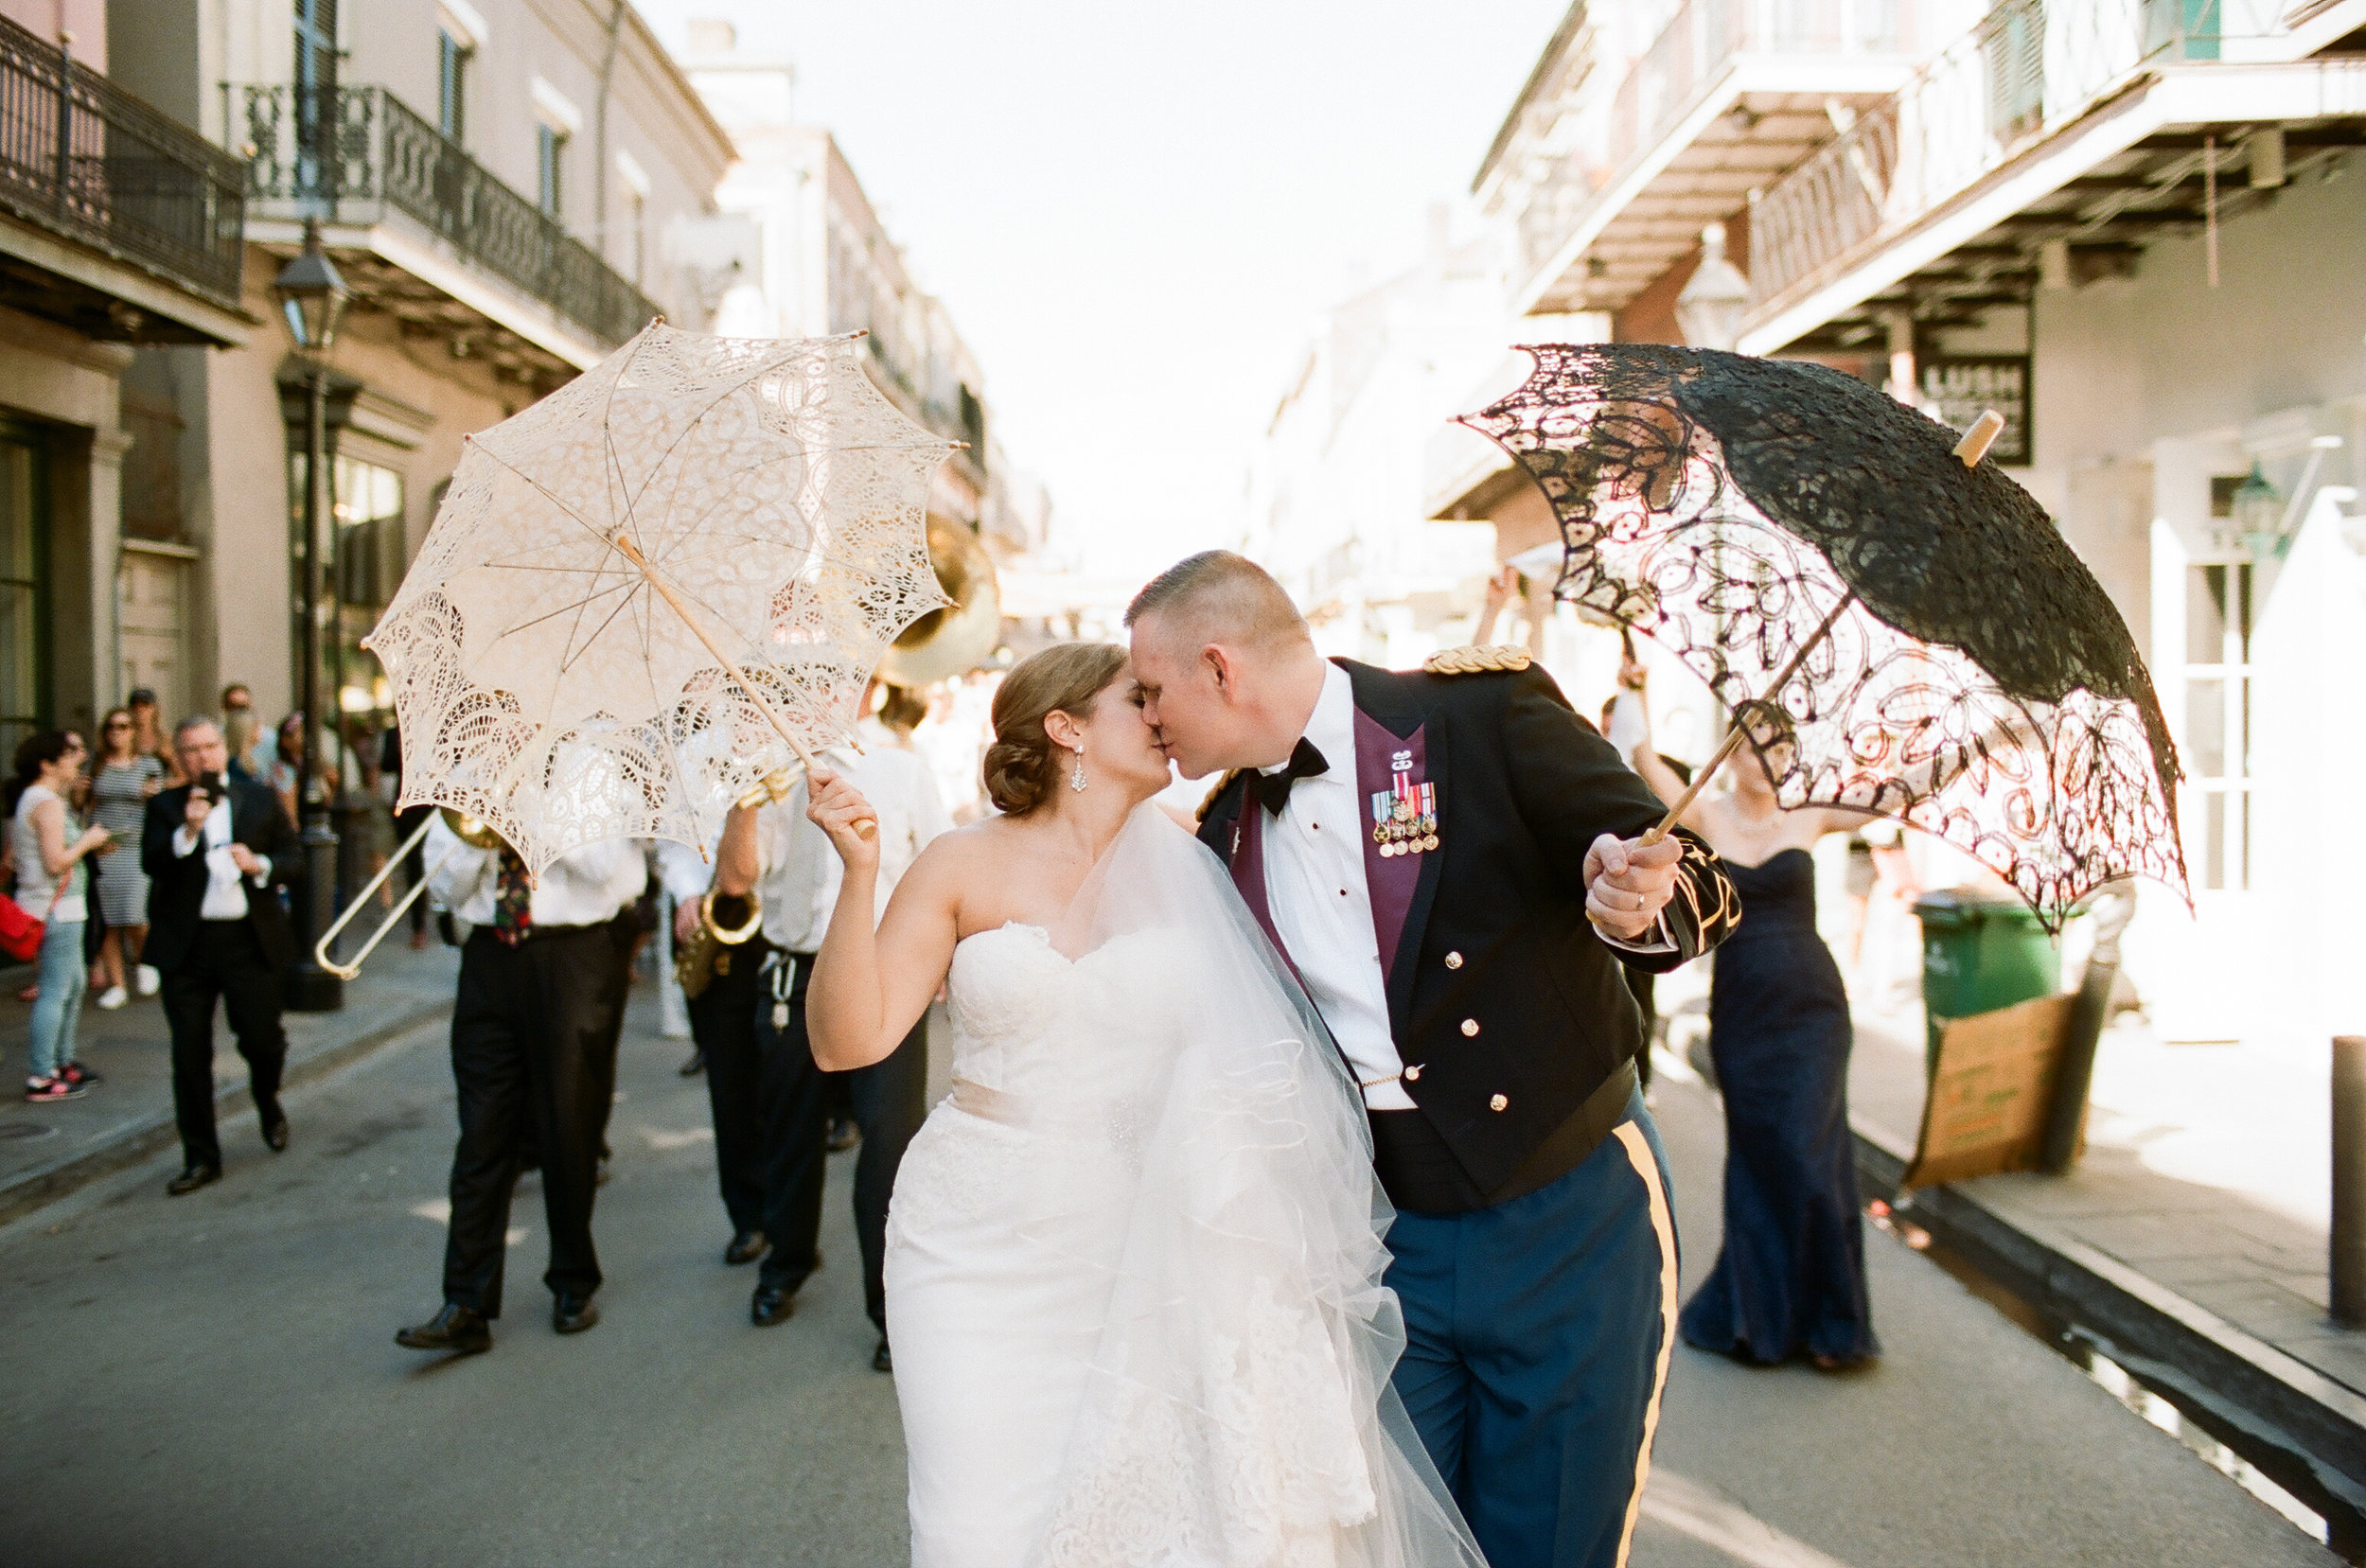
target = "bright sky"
x: 1135, y: 212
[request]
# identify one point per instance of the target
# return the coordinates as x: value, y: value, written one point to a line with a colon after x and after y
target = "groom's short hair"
x: 1222, y: 597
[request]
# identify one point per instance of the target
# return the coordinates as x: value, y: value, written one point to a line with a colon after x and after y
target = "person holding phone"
x: 217, y: 852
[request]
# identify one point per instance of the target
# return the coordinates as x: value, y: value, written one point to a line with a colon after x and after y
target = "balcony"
x: 1730, y: 94
x: 122, y: 223
x: 403, y: 205
x: 2082, y: 121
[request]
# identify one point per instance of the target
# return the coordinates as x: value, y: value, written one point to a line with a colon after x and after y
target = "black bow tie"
x: 1273, y: 789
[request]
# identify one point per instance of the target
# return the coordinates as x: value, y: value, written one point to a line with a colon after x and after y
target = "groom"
x: 1452, y: 863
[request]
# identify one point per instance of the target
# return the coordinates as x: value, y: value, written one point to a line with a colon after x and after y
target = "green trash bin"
x: 1979, y: 955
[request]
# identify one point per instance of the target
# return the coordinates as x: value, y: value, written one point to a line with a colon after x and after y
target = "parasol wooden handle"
x: 1735, y: 736
x: 632, y: 551
x: 1977, y: 440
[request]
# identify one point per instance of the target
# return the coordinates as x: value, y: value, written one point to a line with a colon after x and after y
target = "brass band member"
x: 775, y: 852
x: 534, y: 1027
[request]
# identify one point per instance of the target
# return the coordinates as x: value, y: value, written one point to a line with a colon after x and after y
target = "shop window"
x: 2216, y: 720
x: 24, y: 588
x: 367, y: 566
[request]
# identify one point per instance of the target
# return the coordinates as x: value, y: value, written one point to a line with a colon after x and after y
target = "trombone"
x: 467, y: 829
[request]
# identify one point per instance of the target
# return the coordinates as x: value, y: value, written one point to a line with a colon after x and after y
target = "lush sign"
x: 1957, y: 387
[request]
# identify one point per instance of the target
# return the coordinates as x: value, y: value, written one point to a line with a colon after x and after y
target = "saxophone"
x: 707, y: 953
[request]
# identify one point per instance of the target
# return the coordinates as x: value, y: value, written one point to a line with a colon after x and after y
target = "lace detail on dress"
x: 1262, y: 1475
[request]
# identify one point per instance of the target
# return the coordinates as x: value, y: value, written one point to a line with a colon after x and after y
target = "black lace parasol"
x: 1894, y: 629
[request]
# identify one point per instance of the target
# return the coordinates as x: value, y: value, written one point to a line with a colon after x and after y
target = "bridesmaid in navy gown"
x: 1791, y: 1275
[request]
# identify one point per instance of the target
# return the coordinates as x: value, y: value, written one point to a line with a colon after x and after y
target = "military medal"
x: 1404, y: 816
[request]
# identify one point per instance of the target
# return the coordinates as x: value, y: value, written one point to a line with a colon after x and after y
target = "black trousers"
x: 889, y: 1097
x: 532, y: 1041
x: 723, y: 1022
x: 224, y: 962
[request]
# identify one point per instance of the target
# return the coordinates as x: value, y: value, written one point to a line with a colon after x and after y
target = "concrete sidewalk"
x: 49, y: 1151
x: 2207, y: 1272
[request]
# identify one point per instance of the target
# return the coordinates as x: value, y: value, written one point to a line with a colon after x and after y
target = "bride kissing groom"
x: 1294, y: 1203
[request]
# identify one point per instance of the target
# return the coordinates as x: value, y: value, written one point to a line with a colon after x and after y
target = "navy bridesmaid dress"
x: 1791, y: 1275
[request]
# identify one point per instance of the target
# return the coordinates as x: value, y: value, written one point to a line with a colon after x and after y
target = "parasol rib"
x: 632, y: 551
x: 1735, y: 736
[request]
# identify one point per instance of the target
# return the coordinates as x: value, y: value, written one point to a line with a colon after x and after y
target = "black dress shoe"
x: 746, y: 1247
x: 191, y: 1179
x: 571, y: 1314
x: 275, y: 1132
x: 844, y: 1135
x: 881, y: 1361
x: 461, y: 1330
x: 772, y: 1305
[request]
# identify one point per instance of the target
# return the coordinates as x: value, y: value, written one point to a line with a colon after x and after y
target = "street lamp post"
x: 312, y: 296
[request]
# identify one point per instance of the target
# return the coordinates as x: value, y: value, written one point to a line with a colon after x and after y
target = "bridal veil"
x: 1238, y: 1411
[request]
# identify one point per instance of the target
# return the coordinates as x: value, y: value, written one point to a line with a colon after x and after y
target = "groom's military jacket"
x: 1484, y: 791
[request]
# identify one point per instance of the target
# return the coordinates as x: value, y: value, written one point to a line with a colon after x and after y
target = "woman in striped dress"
x: 123, y: 779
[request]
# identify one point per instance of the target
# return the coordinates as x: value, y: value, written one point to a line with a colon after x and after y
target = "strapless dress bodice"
x: 1034, y: 1025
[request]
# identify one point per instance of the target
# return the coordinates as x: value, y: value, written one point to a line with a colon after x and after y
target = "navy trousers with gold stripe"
x: 1538, y: 1333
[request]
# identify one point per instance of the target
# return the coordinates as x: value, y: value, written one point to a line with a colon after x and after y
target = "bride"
x: 1133, y: 1259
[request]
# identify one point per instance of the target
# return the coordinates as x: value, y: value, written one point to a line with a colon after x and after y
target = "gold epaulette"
x: 1492, y: 658
x: 1222, y: 785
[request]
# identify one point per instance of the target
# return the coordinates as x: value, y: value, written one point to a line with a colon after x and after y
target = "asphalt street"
x: 212, y: 1381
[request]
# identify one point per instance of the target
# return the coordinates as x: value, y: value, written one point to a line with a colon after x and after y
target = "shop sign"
x: 1957, y: 387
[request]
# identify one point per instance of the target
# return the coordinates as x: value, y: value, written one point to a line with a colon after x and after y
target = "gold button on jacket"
x: 1500, y: 1103
x: 1413, y: 1073
x: 1470, y: 1027
x: 1454, y: 961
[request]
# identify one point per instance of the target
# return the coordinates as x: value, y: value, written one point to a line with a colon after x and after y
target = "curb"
x: 2232, y: 1376
x: 46, y: 1183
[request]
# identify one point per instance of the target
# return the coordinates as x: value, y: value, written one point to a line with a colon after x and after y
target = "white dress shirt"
x: 799, y: 872
x: 226, y: 890
x: 1321, y: 904
x: 587, y: 888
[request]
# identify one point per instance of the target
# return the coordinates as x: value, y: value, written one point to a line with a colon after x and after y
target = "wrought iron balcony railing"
x: 1670, y: 78
x: 2029, y: 67
x: 343, y: 155
x: 86, y: 160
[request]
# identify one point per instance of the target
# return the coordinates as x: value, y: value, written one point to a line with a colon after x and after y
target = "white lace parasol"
x: 655, y: 587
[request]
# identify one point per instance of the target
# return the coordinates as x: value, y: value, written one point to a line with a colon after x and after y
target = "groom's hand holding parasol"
x: 1629, y: 881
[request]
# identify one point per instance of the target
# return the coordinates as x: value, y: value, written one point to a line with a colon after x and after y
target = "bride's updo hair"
x: 1022, y: 766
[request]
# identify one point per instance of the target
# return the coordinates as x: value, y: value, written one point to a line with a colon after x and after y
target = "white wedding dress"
x: 1134, y: 1260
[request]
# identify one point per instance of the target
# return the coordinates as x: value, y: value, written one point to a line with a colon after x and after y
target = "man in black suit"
x: 1454, y: 865
x: 217, y: 852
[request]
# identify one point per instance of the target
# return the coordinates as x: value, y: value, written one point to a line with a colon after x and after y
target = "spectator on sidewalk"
x: 217, y: 852
x: 1790, y: 1278
x: 148, y: 732
x: 121, y: 781
x: 288, y: 758
x: 52, y: 883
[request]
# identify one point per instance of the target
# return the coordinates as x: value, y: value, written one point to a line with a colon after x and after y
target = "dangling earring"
x: 1076, y: 779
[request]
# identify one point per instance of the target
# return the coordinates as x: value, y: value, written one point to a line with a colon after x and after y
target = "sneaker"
x: 148, y: 980
x: 74, y: 1072
x: 40, y: 1091
x: 112, y: 997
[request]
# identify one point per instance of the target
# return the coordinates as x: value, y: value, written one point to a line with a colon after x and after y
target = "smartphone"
x: 207, y: 784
